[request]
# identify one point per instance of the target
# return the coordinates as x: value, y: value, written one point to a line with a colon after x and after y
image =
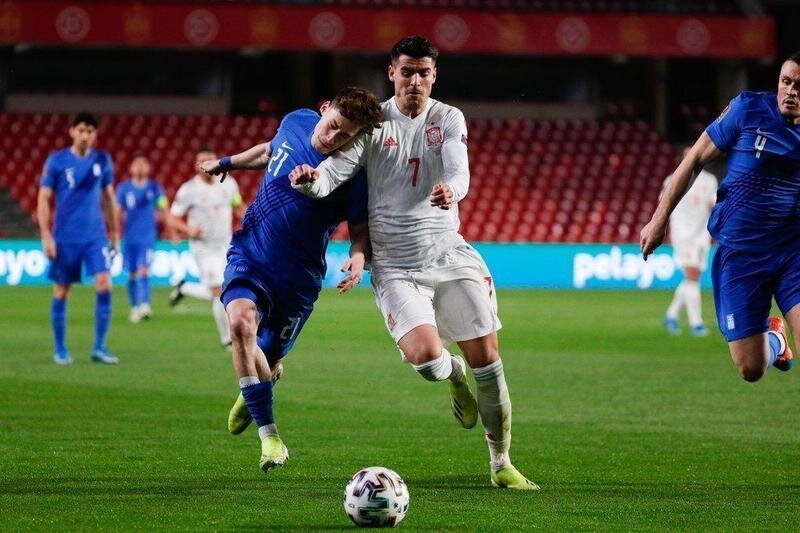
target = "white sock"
x: 677, y: 302
x: 266, y: 431
x: 248, y: 380
x: 196, y: 290
x: 494, y: 406
x: 441, y: 368
x: 221, y: 318
x: 691, y: 294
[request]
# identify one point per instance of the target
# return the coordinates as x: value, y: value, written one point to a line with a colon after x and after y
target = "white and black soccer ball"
x: 376, y: 497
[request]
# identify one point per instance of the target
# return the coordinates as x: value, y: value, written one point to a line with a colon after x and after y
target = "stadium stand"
x: 708, y: 7
x: 532, y: 180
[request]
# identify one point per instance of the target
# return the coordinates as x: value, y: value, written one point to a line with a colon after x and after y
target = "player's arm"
x: 703, y: 152
x: 255, y: 158
x: 455, y: 180
x: 331, y: 173
x: 163, y: 215
x: 43, y: 213
x: 174, y: 216
x: 360, y: 252
x: 176, y: 223
x: 43, y: 217
x: 111, y: 211
x: 238, y: 204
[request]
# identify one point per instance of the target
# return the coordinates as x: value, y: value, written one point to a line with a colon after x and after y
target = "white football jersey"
x: 208, y: 206
x: 689, y: 220
x: 404, y: 159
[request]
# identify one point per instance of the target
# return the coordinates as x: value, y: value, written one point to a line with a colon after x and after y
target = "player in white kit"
x: 209, y: 206
x: 430, y: 285
x: 691, y: 242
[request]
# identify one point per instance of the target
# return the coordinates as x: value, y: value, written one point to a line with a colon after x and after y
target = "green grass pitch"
x: 623, y: 427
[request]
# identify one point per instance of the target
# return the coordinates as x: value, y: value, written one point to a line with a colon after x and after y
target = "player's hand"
x: 355, y: 268
x: 213, y: 168
x: 651, y: 237
x: 195, y: 232
x: 442, y: 196
x: 49, y: 246
x: 303, y: 174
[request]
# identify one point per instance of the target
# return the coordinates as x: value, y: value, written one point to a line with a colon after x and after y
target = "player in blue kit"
x: 276, y: 262
x: 140, y: 198
x: 756, y: 220
x: 79, y: 177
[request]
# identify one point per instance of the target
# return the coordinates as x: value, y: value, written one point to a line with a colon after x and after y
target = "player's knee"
x: 421, y: 353
x: 60, y: 291
x: 751, y: 371
x: 102, y: 283
x: 242, y: 323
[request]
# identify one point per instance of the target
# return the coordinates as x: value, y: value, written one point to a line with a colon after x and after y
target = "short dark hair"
x: 85, y: 117
x: 359, y: 106
x: 414, y: 46
x: 794, y: 57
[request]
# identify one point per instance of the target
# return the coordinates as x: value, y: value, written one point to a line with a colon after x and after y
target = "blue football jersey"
x: 139, y: 204
x: 757, y: 201
x: 77, y: 183
x: 286, y: 231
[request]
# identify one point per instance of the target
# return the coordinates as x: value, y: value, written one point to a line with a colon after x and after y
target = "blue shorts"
x: 70, y: 256
x: 283, y: 309
x: 136, y: 255
x: 744, y: 285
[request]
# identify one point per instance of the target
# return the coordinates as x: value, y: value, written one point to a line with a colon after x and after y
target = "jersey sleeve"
x: 357, y: 210
x: 726, y: 127
x: 181, y: 204
x: 108, y: 170
x: 454, y: 155
x: 337, y: 169
x: 49, y: 173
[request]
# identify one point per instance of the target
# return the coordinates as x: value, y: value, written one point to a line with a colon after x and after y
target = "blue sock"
x: 144, y: 290
x: 774, y: 347
x: 258, y: 398
x: 133, y: 292
x: 58, y: 318
x: 102, y: 317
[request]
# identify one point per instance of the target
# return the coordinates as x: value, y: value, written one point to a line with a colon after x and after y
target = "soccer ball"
x: 376, y: 497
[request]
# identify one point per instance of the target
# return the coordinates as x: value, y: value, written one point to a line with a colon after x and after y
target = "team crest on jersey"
x: 433, y: 136
x: 96, y: 169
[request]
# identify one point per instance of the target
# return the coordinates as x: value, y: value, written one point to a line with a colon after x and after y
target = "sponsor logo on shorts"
x: 730, y: 322
x: 390, y: 322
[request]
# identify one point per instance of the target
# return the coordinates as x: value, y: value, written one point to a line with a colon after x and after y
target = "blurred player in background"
x: 755, y: 220
x: 691, y: 242
x: 276, y: 262
x: 209, y: 206
x: 428, y: 281
x: 139, y: 199
x: 81, y: 178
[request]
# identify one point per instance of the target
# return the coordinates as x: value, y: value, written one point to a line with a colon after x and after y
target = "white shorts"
x: 211, y: 260
x: 691, y: 254
x: 456, y: 294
